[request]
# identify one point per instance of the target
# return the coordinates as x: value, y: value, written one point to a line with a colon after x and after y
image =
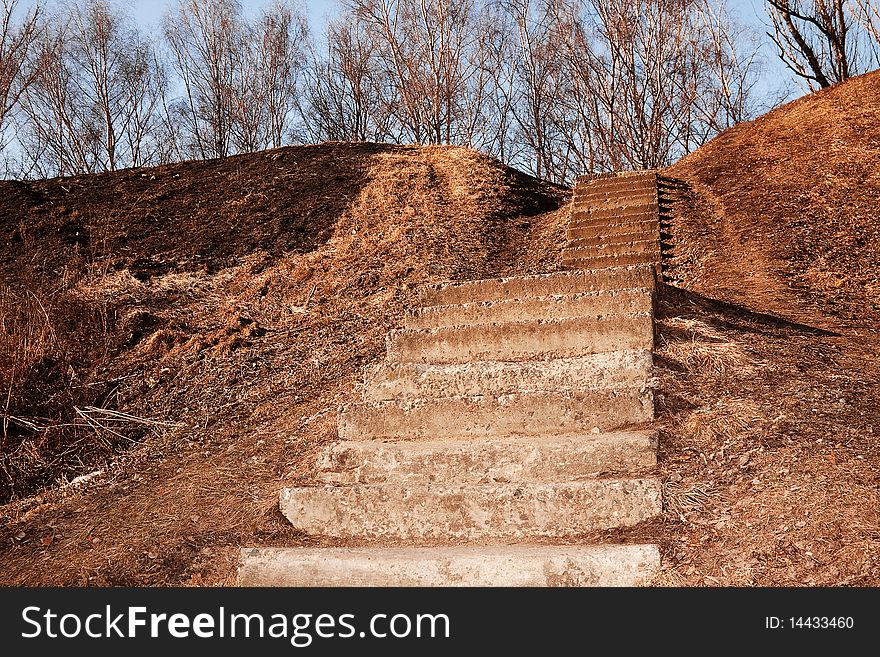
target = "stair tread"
x: 506, y: 565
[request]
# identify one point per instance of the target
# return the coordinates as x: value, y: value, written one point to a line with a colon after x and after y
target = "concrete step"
x: 475, y: 461
x: 623, y: 197
x: 517, y: 414
x: 609, y: 261
x: 540, y: 285
x: 508, y: 565
x: 471, y: 512
x: 613, y: 206
x: 648, y: 227
x: 612, y: 239
x: 516, y: 341
x: 648, y: 247
x: 600, y: 302
x: 582, y: 219
x: 589, y: 180
x: 616, y: 186
x: 399, y: 381
x: 640, y: 184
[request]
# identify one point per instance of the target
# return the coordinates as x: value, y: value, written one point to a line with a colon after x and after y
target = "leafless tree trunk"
x: 94, y: 104
x: 263, y: 90
x: 282, y: 35
x: 815, y: 39
x: 867, y: 13
x: 734, y: 58
x: 347, y: 97
x: 539, y: 86
x: 16, y: 42
x: 428, y: 50
x: 204, y: 37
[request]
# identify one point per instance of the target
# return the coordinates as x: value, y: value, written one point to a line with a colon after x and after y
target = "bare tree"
x: 428, y: 52
x: 204, y: 37
x: 642, y: 82
x: 93, y: 105
x: 347, y: 97
x: 867, y: 13
x: 282, y: 36
x: 16, y: 42
x: 268, y: 66
x: 735, y: 65
x: 539, y: 84
x: 816, y: 39
x: 240, y: 78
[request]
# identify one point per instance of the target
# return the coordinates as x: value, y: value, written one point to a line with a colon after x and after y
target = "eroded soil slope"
x: 768, y: 361
x: 188, y: 332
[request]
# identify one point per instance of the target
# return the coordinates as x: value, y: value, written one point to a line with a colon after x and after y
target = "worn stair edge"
x: 387, y: 381
x: 519, y: 460
x: 522, y: 340
x: 650, y: 228
x: 537, y: 414
x: 597, y: 178
x: 613, y: 198
x: 493, y: 289
x: 509, y: 565
x: 638, y: 185
x: 651, y: 247
x: 612, y: 239
x: 598, y: 302
x: 620, y: 189
x: 437, y: 513
x: 623, y: 259
x: 606, y: 217
x: 617, y: 222
x: 598, y: 203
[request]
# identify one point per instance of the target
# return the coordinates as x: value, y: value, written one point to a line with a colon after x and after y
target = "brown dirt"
x: 237, y: 304
x: 770, y: 423
x: 246, y: 333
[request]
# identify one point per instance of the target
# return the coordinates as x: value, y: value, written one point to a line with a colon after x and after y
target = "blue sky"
x: 148, y: 13
x: 751, y: 12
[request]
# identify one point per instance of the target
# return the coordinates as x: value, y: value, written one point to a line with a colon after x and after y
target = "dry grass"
x: 703, y: 351
x: 686, y: 498
x: 242, y: 362
x: 52, y: 421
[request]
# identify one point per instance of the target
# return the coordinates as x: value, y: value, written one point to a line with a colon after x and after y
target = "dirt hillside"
x: 183, y: 337
x: 188, y: 332
x: 768, y: 370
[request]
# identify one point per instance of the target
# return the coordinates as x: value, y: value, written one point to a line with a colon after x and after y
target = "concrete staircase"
x: 509, y: 421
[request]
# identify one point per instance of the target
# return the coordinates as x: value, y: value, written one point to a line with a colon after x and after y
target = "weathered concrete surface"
x: 602, y: 200
x: 555, y: 565
x: 602, y: 241
x: 386, y: 381
x: 521, y: 414
x: 542, y: 285
x: 491, y: 420
x: 599, y: 195
x: 610, y: 216
x: 614, y: 176
x: 647, y: 247
x: 520, y: 460
x: 514, y: 341
x: 599, y: 261
x: 601, y: 302
x: 648, y: 227
x: 471, y: 512
x: 607, y: 207
x: 630, y: 188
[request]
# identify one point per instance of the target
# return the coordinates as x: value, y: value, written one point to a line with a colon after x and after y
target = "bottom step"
x: 566, y: 565
x: 502, y: 511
